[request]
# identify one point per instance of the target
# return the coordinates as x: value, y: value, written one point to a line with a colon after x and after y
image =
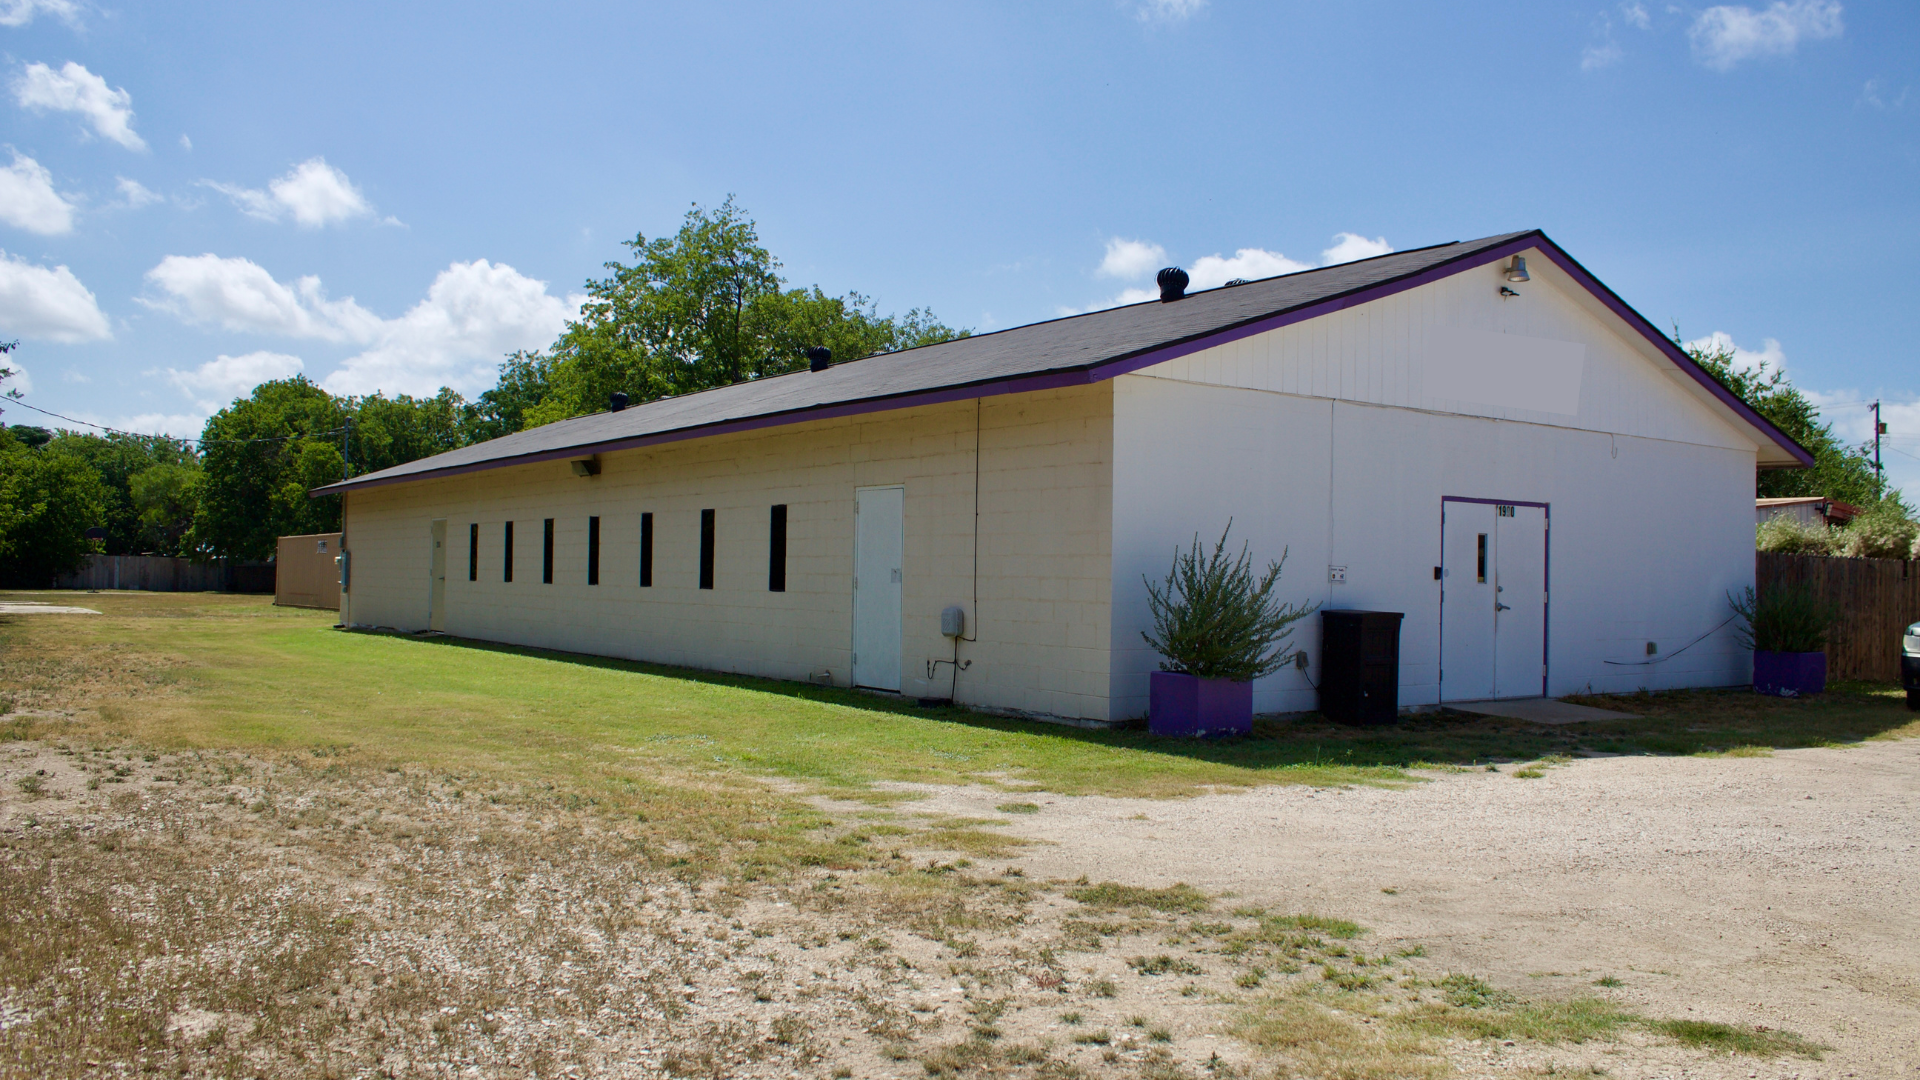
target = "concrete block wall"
x: 1045, y: 488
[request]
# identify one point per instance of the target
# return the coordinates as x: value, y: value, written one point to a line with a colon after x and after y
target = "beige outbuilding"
x: 1479, y: 435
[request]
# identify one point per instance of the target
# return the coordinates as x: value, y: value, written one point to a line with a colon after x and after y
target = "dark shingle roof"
x: 1007, y: 360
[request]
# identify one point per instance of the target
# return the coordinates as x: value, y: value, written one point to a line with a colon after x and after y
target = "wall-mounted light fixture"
x: 1506, y: 293
x: 1518, y: 270
x: 589, y: 466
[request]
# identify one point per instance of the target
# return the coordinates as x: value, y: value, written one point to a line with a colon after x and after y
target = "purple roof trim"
x: 1100, y: 372
x: 1471, y: 261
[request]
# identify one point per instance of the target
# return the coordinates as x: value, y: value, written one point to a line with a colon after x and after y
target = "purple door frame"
x: 1546, y: 606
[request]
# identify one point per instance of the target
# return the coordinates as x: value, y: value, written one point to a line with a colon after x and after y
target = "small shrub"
x: 1179, y: 897
x: 1883, y: 532
x: 1786, y: 618
x: 1784, y: 534
x: 1162, y: 965
x: 1094, y: 1038
x: 1214, y: 620
x: 1105, y: 988
x: 1467, y: 992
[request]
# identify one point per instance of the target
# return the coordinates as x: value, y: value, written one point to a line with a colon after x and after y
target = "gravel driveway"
x: 1780, y: 890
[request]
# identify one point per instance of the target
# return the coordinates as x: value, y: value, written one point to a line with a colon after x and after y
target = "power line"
x: 173, y: 438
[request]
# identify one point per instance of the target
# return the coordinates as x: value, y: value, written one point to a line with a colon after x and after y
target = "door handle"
x: 1502, y: 607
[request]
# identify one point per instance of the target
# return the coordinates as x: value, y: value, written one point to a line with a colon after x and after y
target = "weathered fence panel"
x: 1877, y: 598
x: 159, y: 573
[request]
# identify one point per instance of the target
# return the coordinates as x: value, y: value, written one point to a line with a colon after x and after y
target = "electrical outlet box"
x: 1337, y: 574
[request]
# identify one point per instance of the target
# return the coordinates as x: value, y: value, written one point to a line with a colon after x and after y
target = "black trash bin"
x: 1360, y: 666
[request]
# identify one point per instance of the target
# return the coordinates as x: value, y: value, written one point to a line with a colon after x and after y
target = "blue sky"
x: 385, y: 196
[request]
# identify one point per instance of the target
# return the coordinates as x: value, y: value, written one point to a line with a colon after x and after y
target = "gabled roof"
x: 1076, y: 350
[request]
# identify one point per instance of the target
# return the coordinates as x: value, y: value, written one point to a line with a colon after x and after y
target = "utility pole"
x: 346, y: 451
x: 1879, y: 429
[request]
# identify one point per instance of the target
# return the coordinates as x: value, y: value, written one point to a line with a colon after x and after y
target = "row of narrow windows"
x: 776, y: 550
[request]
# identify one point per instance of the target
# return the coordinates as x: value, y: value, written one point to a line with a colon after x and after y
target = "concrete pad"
x: 1538, y: 710
x: 35, y: 608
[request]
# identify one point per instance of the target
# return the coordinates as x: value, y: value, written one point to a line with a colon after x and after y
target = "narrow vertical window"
x: 546, y: 557
x: 706, y: 549
x: 1480, y: 575
x: 777, y: 550
x: 506, y: 560
x: 473, y: 552
x: 646, y: 550
x: 593, y: 551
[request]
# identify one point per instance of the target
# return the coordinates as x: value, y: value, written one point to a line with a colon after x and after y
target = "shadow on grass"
x: 1734, y: 722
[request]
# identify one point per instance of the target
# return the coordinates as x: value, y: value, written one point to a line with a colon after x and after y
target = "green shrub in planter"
x: 1213, y: 619
x: 1784, y: 619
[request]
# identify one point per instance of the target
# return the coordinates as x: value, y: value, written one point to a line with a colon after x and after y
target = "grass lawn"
x: 240, y: 842
x: 210, y: 670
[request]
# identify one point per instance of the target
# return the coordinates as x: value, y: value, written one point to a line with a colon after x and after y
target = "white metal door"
x: 1466, y: 601
x: 437, y: 593
x: 878, y: 542
x: 1520, y: 591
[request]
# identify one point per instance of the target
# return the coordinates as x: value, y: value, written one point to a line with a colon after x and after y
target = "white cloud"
x: 1349, y: 247
x: 239, y: 294
x: 218, y: 381
x: 1212, y: 271
x: 28, y: 200
x: 314, y: 193
x: 473, y: 314
x: 1131, y: 258
x: 74, y: 89
x: 1769, y: 352
x: 37, y: 302
x: 134, y: 194
x: 1636, y: 16
x: 1595, y: 57
x: 1168, y: 10
x: 1875, y: 93
x: 21, y: 12
x: 186, y: 143
x: 1725, y: 35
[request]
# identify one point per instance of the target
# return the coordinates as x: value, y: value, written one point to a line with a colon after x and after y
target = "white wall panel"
x: 1647, y: 536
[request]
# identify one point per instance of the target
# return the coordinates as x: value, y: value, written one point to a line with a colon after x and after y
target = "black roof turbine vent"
x: 617, y: 402
x: 819, y: 358
x: 1173, y: 284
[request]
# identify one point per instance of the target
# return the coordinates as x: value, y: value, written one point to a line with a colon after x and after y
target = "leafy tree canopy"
x: 1839, y: 471
x: 47, y: 502
x: 705, y: 307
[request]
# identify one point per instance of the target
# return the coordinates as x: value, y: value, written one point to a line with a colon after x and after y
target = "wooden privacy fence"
x: 1877, y: 598
x: 159, y: 573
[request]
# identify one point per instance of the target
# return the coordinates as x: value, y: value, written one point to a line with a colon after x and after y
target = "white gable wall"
x: 1336, y: 438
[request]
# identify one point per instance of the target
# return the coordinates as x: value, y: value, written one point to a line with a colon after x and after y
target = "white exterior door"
x: 437, y: 586
x: 1466, y: 601
x: 878, y: 542
x: 1520, y: 591
x: 1493, y: 601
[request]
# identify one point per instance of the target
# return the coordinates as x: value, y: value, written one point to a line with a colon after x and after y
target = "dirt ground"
x: 227, y: 915
x: 1780, y: 891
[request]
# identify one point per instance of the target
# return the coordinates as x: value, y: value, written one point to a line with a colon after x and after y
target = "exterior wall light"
x: 1518, y: 271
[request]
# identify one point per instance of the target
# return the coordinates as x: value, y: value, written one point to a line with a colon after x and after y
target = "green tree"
x: 166, y: 497
x: 525, y: 378
x: 117, y: 458
x: 1839, y: 471
x: 259, y: 456
x: 705, y: 307
x: 47, y: 502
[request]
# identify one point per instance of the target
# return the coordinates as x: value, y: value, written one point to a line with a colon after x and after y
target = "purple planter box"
x: 1789, y: 674
x: 1182, y: 705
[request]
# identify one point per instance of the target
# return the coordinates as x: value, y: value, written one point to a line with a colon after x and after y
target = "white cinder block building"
x: 1556, y: 497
